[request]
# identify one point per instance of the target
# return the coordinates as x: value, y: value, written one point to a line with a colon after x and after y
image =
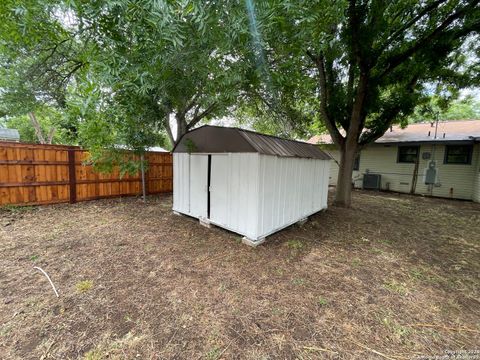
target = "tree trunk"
x: 37, y: 127
x: 169, y: 130
x: 343, y: 193
x: 181, y: 127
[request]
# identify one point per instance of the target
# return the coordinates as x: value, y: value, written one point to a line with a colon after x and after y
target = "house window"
x: 407, y: 154
x: 458, y: 154
x: 356, y: 163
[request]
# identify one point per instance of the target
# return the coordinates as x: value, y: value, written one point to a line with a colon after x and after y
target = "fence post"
x: 72, y: 176
x: 147, y: 173
x: 142, y: 167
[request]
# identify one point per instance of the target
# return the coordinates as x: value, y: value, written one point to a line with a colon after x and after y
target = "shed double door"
x: 208, y: 187
x: 219, y: 182
x: 198, y: 185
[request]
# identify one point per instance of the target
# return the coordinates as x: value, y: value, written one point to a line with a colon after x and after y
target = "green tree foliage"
x: 368, y: 62
x: 49, y: 118
x: 439, y: 108
x: 40, y: 56
x: 161, y: 58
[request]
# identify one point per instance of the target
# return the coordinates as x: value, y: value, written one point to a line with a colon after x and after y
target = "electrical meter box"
x: 431, y: 173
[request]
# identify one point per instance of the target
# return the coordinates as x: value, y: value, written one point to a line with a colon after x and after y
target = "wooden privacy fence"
x: 49, y: 174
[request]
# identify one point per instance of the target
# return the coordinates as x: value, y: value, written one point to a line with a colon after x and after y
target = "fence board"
x: 34, y: 174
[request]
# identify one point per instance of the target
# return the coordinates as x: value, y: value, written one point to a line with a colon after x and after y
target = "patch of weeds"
x: 222, y: 287
x: 322, y: 301
x: 417, y: 274
x: 114, y: 349
x: 213, y: 353
x: 84, y: 285
x: 295, y: 244
x: 34, y: 258
x: 420, y: 274
x: 386, y: 241
x: 276, y: 311
x: 356, y: 262
x: 93, y: 355
x: 279, y: 271
x: 398, y: 330
x: 148, y: 248
x: 5, y: 330
x: 15, y: 209
x: 298, y: 281
x: 395, y: 286
x: 377, y: 251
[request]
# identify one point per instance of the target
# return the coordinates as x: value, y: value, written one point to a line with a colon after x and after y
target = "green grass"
x: 84, y: 285
x: 17, y: 208
x: 322, y: 301
x: 298, y: 281
x: 295, y: 244
x: 395, y: 286
x: 356, y: 262
x: 398, y: 330
x: 213, y: 353
x: 93, y: 355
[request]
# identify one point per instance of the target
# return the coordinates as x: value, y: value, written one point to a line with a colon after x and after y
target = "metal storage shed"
x: 246, y: 182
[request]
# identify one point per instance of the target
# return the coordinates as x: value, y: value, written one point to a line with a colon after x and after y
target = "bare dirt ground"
x: 394, y: 277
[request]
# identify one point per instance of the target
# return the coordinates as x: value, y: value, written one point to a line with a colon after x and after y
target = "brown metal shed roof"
x: 217, y: 139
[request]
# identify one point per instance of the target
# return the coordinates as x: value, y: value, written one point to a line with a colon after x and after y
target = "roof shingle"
x: 458, y: 130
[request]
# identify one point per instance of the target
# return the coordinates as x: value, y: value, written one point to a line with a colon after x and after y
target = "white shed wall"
x: 234, y: 192
x: 291, y: 189
x: 251, y: 194
x: 181, y: 182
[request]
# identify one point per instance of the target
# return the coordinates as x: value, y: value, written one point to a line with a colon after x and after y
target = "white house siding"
x: 457, y: 181
x: 335, y: 154
x: 476, y: 188
x: 291, y: 189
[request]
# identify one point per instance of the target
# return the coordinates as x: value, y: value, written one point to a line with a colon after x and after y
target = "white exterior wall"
x: 181, y: 183
x: 476, y: 186
x: 456, y: 180
x: 234, y: 192
x: 252, y: 194
x: 290, y: 189
x: 334, y: 167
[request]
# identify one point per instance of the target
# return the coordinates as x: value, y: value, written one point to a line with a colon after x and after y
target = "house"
x: 246, y: 182
x: 9, y: 135
x: 433, y: 159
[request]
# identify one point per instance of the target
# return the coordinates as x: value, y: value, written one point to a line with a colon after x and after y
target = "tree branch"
x: 410, y: 23
x: 191, y: 104
x: 169, y: 129
x: 329, y: 123
x: 37, y: 127
x: 196, y: 119
x: 388, y: 118
x: 397, y: 60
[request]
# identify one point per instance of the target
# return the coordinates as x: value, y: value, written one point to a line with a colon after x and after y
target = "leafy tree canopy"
x: 439, y: 108
x: 368, y: 63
